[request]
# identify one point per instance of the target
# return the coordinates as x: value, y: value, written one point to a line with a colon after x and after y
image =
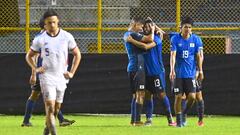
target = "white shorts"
x: 53, y: 92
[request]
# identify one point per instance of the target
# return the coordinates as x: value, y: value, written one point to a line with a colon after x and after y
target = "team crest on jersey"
x: 192, y: 44
x: 180, y: 45
x: 45, y: 43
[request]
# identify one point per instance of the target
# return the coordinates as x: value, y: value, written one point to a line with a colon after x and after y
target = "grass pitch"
x: 119, y: 125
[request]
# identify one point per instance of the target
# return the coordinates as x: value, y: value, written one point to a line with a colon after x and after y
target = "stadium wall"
x: 101, y: 85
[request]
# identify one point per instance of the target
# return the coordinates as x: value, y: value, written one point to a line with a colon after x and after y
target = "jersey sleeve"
x: 35, y: 45
x: 137, y: 36
x: 173, y: 46
x: 126, y: 36
x: 71, y: 43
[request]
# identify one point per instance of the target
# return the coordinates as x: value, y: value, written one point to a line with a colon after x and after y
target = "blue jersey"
x: 186, y: 49
x: 134, y: 53
x: 153, y: 59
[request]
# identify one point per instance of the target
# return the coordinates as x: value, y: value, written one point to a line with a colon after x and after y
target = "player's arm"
x: 172, y: 65
x: 200, y: 58
x: 159, y: 31
x: 149, y: 38
x: 173, y: 54
x: 30, y: 60
x: 33, y: 76
x: 141, y: 45
x: 75, y: 63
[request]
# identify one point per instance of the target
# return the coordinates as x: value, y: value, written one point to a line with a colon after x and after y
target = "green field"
x: 119, y: 125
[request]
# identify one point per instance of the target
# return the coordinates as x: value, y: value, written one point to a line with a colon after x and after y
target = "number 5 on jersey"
x: 47, y: 51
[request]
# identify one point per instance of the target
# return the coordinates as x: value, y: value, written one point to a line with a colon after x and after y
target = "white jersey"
x: 54, y: 53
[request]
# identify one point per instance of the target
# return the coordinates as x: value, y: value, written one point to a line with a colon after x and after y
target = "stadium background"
x: 101, y: 85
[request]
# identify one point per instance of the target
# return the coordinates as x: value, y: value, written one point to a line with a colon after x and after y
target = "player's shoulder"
x: 195, y: 36
x: 128, y: 33
x: 38, y: 37
x: 65, y: 33
x: 175, y: 36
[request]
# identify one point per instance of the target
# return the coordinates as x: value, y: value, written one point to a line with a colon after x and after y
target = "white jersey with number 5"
x: 54, y: 52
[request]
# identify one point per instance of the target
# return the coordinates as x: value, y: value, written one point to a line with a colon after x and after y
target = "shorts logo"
x: 176, y: 89
x: 141, y: 87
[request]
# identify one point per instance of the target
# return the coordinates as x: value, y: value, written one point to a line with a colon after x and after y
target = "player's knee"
x: 34, y: 96
x: 50, y: 109
x: 148, y: 95
x: 191, y: 96
x: 161, y: 95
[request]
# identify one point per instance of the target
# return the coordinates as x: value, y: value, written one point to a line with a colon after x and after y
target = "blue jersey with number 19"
x: 186, y: 50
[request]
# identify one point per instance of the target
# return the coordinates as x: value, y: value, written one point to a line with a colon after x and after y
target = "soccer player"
x: 155, y: 74
x: 185, y: 51
x: 55, y: 45
x: 155, y: 77
x: 35, y: 86
x: 135, y: 67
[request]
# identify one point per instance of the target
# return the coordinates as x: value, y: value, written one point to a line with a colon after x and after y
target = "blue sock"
x: 149, y: 108
x: 60, y: 116
x: 138, y: 112
x: 166, y: 104
x: 29, y: 109
x: 133, y: 110
x: 184, y: 104
x: 179, y: 120
x: 200, y: 110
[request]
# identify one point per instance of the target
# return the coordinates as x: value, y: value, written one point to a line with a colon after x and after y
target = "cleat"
x: 200, y: 124
x: 184, y: 124
x: 26, y: 124
x: 179, y: 126
x: 46, y: 131
x: 66, y: 122
x: 148, y: 123
x: 138, y: 123
x: 172, y: 124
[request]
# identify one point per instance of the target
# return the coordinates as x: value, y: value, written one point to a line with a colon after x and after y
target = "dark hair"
x: 41, y: 23
x: 187, y: 20
x: 138, y: 20
x: 49, y: 13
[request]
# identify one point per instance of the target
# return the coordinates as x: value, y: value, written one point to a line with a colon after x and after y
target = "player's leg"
x: 140, y: 94
x: 184, y: 101
x: 161, y: 93
x: 178, y: 90
x: 30, y: 104
x: 49, y: 93
x: 190, y: 87
x: 149, y: 107
x: 139, y: 82
x: 131, y: 76
x: 200, y: 103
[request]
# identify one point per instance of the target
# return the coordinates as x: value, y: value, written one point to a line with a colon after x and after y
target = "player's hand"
x: 32, y: 79
x: 40, y: 70
x: 172, y: 76
x: 129, y: 39
x: 68, y: 75
x: 200, y: 76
